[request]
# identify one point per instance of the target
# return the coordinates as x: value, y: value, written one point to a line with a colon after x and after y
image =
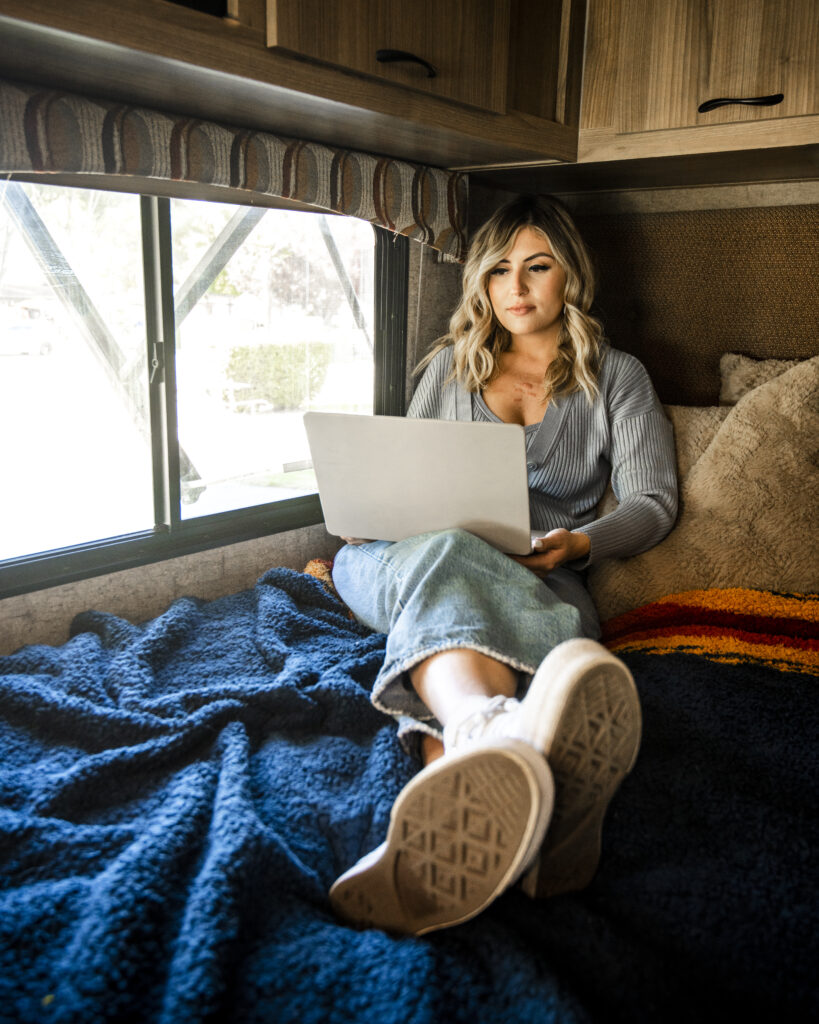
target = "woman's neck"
x: 534, y: 349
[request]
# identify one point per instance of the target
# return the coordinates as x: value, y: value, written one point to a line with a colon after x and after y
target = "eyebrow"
x: 537, y: 255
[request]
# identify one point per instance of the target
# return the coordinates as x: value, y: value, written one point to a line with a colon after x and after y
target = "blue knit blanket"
x: 176, y: 799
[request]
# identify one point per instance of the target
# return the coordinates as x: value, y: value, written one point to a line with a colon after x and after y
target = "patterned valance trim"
x: 47, y: 131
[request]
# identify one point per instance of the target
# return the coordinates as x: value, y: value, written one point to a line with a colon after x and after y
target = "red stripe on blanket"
x: 696, y: 630
x: 735, y: 625
x: 656, y: 616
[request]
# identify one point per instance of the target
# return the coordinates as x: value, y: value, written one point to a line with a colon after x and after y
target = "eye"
x: 498, y: 271
x: 538, y: 267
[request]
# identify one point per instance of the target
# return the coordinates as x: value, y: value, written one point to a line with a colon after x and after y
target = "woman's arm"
x: 434, y: 395
x: 644, y: 481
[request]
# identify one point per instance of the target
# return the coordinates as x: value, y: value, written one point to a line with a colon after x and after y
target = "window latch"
x: 156, y: 361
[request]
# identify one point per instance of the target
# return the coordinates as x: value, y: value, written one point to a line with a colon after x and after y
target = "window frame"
x: 173, y: 536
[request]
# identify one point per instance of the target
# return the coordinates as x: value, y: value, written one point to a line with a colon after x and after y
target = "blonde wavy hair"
x: 476, y: 336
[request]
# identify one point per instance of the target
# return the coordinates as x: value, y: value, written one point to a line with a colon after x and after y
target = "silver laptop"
x: 388, y: 477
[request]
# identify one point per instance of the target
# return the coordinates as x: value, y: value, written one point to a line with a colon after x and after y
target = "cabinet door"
x: 465, y: 41
x: 676, y: 54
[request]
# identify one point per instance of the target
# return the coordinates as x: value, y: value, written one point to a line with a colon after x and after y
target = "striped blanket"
x: 734, y: 626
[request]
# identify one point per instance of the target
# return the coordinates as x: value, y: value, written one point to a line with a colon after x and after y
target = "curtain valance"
x: 48, y: 131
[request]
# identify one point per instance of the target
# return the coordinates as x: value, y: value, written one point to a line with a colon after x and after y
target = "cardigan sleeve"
x: 643, y: 469
x: 430, y: 399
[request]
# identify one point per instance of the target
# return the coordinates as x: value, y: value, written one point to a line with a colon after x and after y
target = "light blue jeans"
x: 450, y: 589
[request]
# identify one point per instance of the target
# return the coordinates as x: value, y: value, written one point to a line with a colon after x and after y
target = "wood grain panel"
x: 677, y: 54
x: 600, y: 66
x: 757, y: 48
x: 697, y: 171
x: 605, y: 144
x: 252, y: 13
x: 657, y: 64
x: 546, y: 58
x: 169, y: 57
x: 650, y: 63
x: 466, y: 41
x: 535, y: 43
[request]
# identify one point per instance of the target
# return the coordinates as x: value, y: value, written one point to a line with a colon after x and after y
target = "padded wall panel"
x: 679, y: 289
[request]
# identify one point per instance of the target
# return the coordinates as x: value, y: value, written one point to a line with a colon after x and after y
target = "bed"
x: 177, y: 796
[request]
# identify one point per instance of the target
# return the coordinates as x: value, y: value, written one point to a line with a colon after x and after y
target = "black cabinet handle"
x: 393, y: 56
x: 753, y: 101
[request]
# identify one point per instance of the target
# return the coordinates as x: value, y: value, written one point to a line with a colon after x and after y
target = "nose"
x: 518, y: 284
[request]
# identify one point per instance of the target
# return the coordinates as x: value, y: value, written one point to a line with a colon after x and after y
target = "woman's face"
x: 527, y: 286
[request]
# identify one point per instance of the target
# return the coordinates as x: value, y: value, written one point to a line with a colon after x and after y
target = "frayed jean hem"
x: 393, y: 692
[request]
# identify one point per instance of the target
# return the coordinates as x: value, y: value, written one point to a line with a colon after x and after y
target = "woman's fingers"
x: 540, y: 563
x: 552, y: 550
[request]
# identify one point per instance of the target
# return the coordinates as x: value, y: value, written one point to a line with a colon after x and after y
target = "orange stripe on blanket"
x: 726, y: 649
x: 749, y: 602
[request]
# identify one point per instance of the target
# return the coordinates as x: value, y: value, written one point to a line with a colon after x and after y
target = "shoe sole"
x: 460, y: 833
x: 591, y: 741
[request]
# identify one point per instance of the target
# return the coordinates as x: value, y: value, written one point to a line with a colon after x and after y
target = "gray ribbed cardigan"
x: 624, y: 434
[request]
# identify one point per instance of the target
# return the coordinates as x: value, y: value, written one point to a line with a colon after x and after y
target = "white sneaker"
x: 582, y: 713
x: 461, y: 832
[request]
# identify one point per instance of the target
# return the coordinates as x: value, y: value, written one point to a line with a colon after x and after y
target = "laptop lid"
x: 390, y: 477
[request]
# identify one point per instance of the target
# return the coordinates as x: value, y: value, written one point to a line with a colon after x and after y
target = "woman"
x: 525, y: 723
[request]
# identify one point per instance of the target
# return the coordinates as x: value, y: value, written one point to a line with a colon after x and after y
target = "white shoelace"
x: 477, y: 720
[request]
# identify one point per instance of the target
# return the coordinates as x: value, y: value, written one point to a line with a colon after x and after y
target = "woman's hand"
x: 557, y: 547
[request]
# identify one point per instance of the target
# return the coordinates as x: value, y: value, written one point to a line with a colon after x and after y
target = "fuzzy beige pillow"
x: 694, y: 429
x: 741, y: 374
x: 748, y: 505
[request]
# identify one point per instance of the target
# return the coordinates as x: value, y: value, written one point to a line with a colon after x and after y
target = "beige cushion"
x: 741, y: 374
x: 748, y: 502
x: 694, y: 430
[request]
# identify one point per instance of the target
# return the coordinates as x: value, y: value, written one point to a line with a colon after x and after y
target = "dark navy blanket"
x: 176, y: 799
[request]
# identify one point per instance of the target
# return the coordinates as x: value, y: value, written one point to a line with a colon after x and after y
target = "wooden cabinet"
x: 458, y: 50
x: 520, y: 61
x: 507, y: 86
x: 651, y: 64
x: 506, y: 89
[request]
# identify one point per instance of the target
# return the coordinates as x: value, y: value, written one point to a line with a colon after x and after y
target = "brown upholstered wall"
x: 679, y: 288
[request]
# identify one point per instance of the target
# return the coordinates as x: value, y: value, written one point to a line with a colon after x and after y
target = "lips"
x: 519, y: 310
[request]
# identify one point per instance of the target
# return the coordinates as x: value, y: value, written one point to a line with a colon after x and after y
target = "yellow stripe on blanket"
x: 725, y: 649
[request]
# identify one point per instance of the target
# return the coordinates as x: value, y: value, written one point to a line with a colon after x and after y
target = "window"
x: 76, y: 458
x: 156, y: 357
x: 285, y: 325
